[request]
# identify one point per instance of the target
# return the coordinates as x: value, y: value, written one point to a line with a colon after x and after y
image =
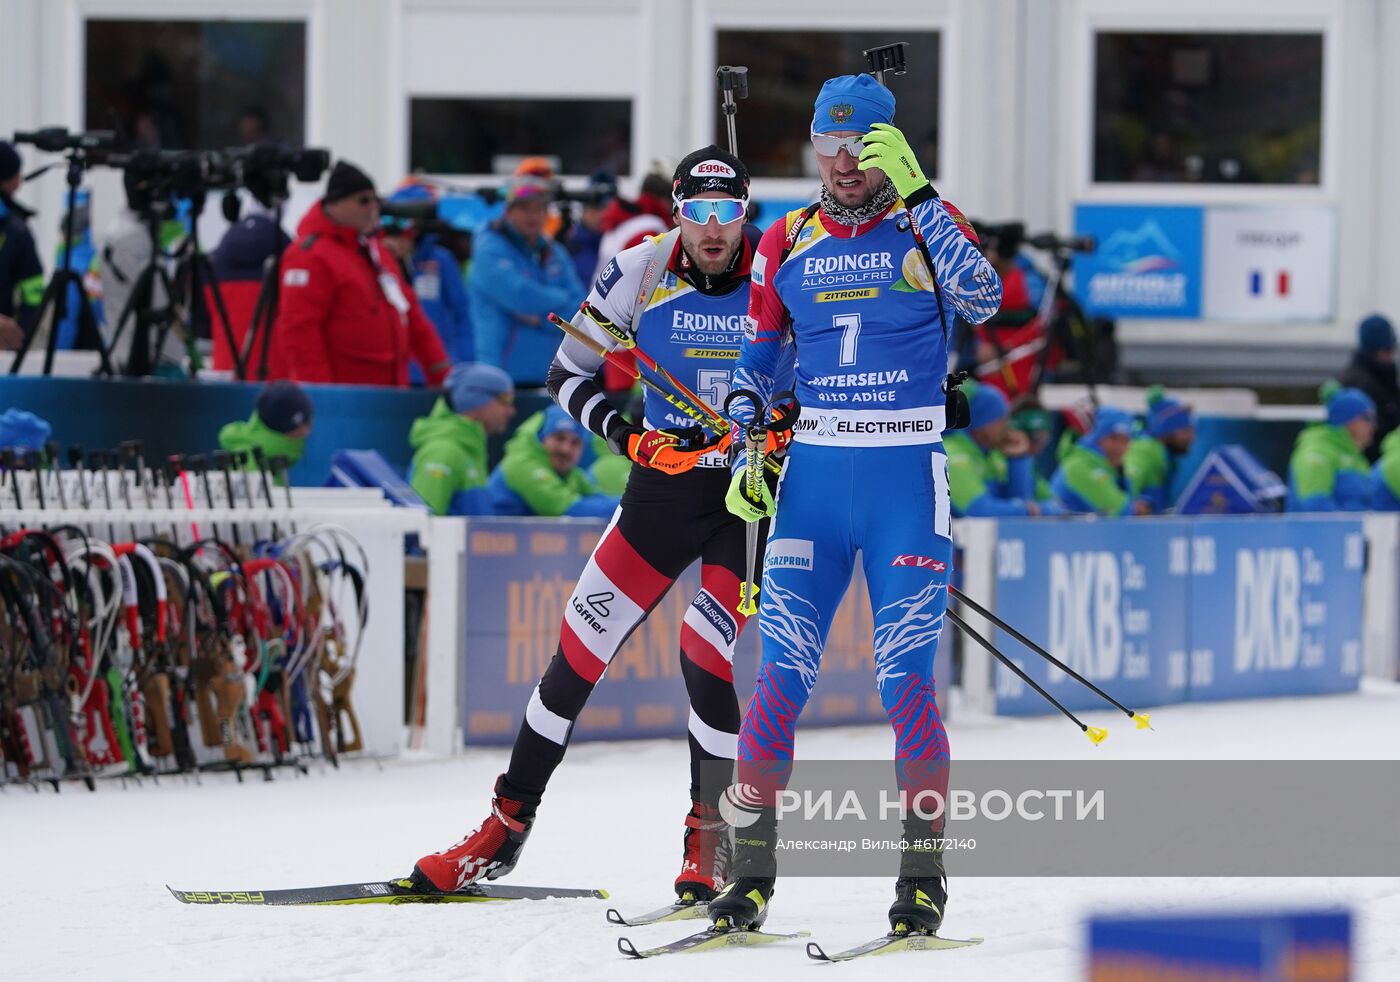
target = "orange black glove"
x: 672, y: 451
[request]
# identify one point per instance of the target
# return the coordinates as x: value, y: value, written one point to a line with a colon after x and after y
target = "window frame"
x: 308, y: 13
x: 1199, y: 16
x: 709, y: 17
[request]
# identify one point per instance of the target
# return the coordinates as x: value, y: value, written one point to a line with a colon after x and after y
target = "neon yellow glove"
x: 887, y: 149
x: 739, y: 503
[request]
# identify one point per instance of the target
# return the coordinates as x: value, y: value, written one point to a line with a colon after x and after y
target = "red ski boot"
x: 490, y: 852
x: 705, y: 863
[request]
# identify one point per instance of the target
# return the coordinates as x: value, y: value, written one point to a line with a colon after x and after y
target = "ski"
x: 890, y: 944
x: 378, y: 892
x: 709, y: 940
x: 679, y: 911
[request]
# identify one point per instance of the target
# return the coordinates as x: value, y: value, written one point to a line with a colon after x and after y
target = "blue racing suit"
x: 856, y: 309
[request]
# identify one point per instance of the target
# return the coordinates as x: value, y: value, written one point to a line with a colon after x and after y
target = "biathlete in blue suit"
x: 847, y: 294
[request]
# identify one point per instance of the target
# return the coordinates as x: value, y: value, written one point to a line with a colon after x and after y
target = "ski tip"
x: 615, y: 917
x: 601, y: 894
x: 627, y: 948
x: 814, y: 951
x: 177, y: 894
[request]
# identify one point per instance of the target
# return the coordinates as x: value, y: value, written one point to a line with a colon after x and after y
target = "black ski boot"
x: 921, y: 892
x: 742, y: 904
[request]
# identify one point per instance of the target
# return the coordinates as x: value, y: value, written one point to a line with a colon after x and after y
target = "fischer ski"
x: 379, y: 892
x: 681, y: 910
x: 710, y: 940
x: 890, y: 944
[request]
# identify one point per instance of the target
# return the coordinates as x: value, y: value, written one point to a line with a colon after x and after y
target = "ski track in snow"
x: 85, y: 872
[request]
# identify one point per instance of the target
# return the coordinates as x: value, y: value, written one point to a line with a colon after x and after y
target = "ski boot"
x: 490, y: 852
x: 706, y: 854
x: 921, y: 892
x: 742, y: 904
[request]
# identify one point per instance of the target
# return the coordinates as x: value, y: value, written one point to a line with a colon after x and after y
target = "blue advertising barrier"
x: 1148, y: 260
x: 1275, y: 606
x: 1264, y: 947
x: 520, y: 575
x: 181, y: 416
x: 1167, y: 610
x: 1109, y: 605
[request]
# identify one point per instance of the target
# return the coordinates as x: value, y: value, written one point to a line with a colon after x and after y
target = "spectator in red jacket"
x: 346, y: 315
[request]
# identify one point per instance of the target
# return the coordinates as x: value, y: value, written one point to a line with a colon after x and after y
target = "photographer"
x: 518, y: 277
x: 21, y: 275
x: 346, y: 314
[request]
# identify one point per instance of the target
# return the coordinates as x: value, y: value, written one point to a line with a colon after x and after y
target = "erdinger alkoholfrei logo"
x: 740, y: 805
x: 841, y: 112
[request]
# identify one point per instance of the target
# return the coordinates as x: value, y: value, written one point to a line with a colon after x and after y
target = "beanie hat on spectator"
x: 22, y: 429
x: 283, y: 406
x: 558, y: 421
x: 1344, y: 405
x: 527, y: 187
x: 1165, y: 415
x: 986, y: 403
x: 1375, y: 334
x: 852, y: 102
x: 1110, y: 421
x: 346, y: 179
x: 9, y: 160
x: 473, y: 384
x: 710, y: 169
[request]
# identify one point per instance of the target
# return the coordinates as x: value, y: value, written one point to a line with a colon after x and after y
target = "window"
x: 1208, y: 108
x: 197, y: 85
x: 489, y: 136
x: 786, y: 71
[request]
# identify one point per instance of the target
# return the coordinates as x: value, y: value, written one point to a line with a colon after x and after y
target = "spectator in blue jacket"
x: 585, y: 235
x: 436, y: 277
x: 518, y: 276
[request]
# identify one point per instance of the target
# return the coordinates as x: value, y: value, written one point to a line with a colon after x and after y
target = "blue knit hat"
x: 473, y: 384
x: 284, y: 406
x: 1345, y: 405
x: 558, y: 421
x: 1375, y: 334
x: 1166, y: 415
x: 21, y: 429
x: 986, y: 403
x: 852, y: 102
x: 1109, y: 421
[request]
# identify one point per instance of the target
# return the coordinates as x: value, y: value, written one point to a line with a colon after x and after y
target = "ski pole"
x: 260, y: 460
x: 1095, y: 734
x: 177, y: 468
x: 118, y: 459
x: 1143, y: 720
x: 240, y: 461
x: 7, y: 460
x: 279, y: 471
x: 34, y: 462
x: 51, y: 452
x: 164, y: 478
x: 221, y: 461
x: 130, y: 457
x: 200, y: 465
x: 733, y: 84
x: 75, y: 461
x: 97, y: 461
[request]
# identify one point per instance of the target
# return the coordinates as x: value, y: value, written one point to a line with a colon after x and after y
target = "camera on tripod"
x: 57, y: 139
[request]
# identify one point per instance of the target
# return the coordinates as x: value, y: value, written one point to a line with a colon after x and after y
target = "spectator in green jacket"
x: 1152, y: 459
x: 279, y: 426
x: 990, y: 470
x: 1329, y: 470
x: 1090, y: 479
x: 540, y: 473
x: 1385, y: 495
x: 449, y: 469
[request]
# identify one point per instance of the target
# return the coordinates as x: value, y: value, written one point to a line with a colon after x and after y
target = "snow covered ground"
x: 83, y: 873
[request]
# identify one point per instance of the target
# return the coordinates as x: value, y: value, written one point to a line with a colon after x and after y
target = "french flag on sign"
x: 1259, y: 284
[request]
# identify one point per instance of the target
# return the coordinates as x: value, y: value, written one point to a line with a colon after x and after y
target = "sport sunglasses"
x: 830, y: 146
x: 699, y: 210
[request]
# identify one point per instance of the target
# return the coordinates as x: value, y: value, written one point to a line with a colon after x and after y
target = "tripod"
x: 140, y: 310
x: 265, y: 308
x: 197, y: 268
x: 55, y: 297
